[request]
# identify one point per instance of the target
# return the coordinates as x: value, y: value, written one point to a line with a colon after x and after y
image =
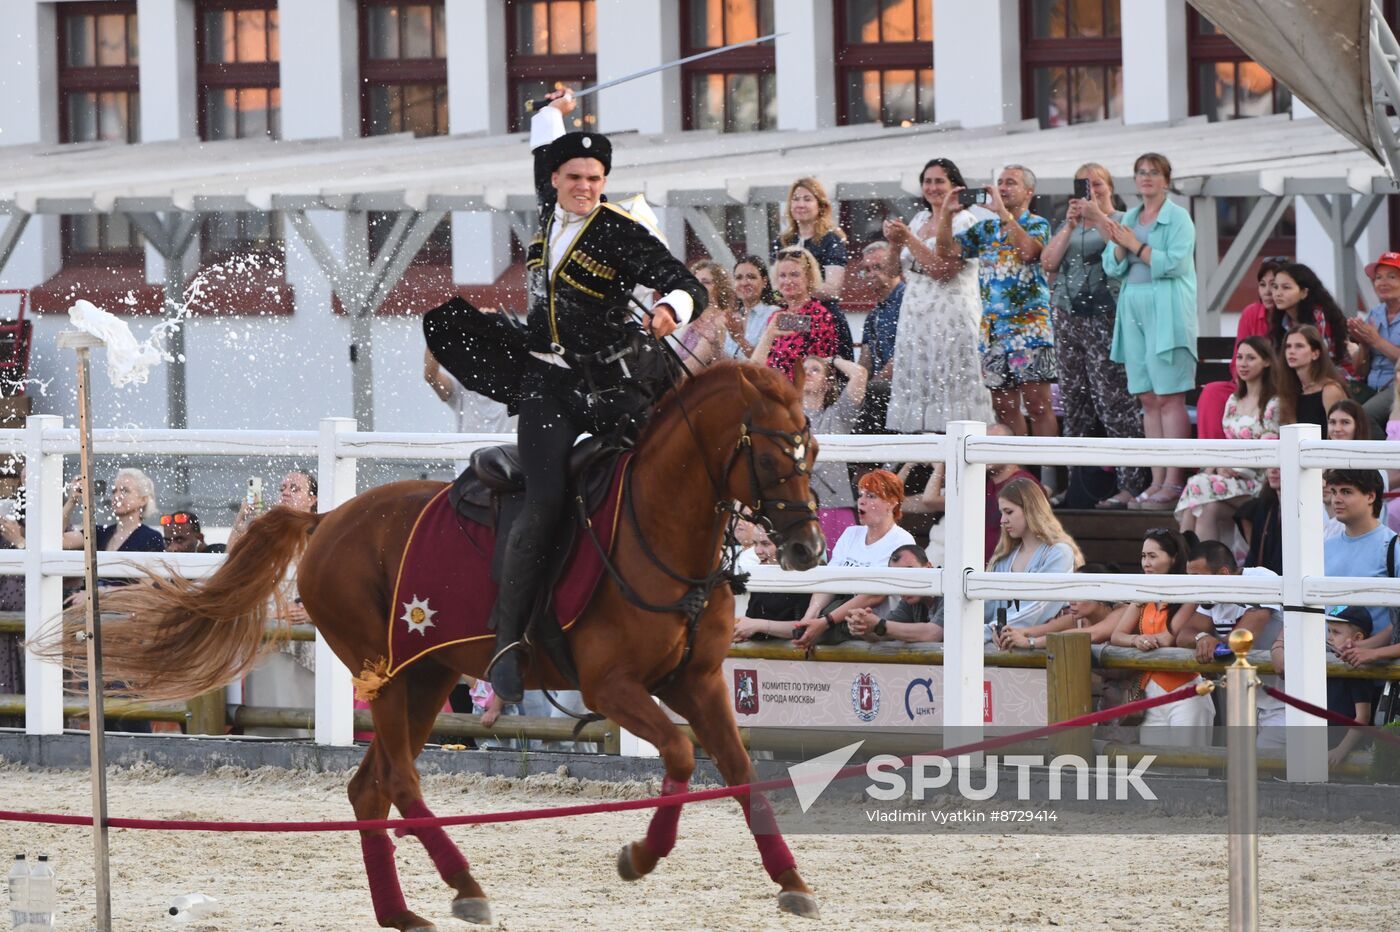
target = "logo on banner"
x: 865, y: 696
x: 986, y: 702
x: 918, y: 704
x: 746, y: 692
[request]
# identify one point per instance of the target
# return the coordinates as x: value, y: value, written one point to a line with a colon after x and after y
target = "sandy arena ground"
x: 560, y: 874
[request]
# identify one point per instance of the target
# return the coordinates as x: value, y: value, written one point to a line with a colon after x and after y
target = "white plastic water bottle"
x: 41, y: 895
x: 19, y: 893
x: 192, y: 906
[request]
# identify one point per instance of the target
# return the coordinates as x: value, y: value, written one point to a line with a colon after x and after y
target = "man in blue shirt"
x: 878, y: 334
x: 1354, y: 498
x: 882, y: 323
x: 1378, y: 340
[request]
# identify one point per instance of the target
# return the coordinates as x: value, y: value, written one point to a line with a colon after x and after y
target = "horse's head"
x: 770, y: 467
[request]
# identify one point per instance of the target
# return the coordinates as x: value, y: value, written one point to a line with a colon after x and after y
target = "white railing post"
x: 1305, y: 634
x: 335, y: 693
x: 965, y: 491
x: 43, y: 595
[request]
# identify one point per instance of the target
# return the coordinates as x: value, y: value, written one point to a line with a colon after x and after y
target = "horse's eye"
x: 766, y: 461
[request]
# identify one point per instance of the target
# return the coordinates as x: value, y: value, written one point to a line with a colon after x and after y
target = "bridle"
x: 792, y: 445
x: 697, y: 595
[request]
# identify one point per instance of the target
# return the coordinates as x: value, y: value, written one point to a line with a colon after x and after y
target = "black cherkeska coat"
x: 581, y: 306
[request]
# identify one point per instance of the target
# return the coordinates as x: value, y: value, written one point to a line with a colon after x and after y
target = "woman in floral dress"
x: 937, y: 368
x: 1208, y: 502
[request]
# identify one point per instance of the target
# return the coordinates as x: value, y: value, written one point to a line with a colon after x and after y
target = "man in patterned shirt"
x: 1018, y: 342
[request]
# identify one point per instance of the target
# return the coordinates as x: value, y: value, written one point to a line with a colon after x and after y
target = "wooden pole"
x: 206, y: 713
x: 83, y: 343
x: 1069, y: 690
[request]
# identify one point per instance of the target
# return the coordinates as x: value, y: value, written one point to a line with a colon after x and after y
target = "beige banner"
x: 786, y: 694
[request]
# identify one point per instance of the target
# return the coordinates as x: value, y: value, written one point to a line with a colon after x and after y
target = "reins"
x: 696, y: 599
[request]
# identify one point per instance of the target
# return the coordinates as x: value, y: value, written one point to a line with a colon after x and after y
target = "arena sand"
x: 560, y: 874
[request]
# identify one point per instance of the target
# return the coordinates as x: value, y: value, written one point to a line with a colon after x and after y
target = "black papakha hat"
x: 580, y: 146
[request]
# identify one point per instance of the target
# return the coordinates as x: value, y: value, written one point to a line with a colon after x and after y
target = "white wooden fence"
x: 962, y: 581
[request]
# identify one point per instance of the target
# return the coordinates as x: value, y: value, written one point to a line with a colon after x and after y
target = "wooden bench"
x: 1112, y: 537
x: 1213, y: 355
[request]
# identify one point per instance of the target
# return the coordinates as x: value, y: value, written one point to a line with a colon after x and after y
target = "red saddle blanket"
x: 444, y: 591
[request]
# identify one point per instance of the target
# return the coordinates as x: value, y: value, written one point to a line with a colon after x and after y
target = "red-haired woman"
x: 869, y: 543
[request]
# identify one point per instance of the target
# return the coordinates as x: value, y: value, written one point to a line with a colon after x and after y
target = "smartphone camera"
x: 1081, y: 189
x: 970, y: 198
x: 796, y: 323
x: 255, y: 493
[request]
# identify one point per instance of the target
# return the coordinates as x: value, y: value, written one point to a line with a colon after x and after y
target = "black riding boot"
x: 522, y: 575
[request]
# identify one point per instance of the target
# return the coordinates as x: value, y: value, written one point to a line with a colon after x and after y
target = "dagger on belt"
x: 531, y: 106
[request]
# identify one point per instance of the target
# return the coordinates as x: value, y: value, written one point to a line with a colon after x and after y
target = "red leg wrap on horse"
x: 661, y: 833
x: 771, y: 848
x: 446, y: 858
x: 384, y: 889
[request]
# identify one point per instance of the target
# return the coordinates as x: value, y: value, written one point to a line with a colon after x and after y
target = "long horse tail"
x: 177, y: 638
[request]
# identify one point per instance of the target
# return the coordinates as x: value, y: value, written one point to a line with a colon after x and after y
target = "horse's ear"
x: 799, y: 374
x: 751, y: 392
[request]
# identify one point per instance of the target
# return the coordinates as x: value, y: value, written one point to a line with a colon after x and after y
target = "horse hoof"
x: 473, y: 909
x: 799, y: 904
x: 625, y: 870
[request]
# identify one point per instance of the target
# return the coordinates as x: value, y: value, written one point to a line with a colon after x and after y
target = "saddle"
x: 494, y: 480
x: 491, y: 492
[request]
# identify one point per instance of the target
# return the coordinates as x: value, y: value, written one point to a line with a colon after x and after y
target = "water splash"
x: 129, y: 361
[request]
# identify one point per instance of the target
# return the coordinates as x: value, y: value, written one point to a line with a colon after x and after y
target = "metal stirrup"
x: 521, y: 644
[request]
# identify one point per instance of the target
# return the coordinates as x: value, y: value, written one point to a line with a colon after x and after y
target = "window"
x: 240, y: 97
x: 239, y: 89
x: 99, y: 101
x: 551, y: 44
x: 403, y: 68
x: 1073, y: 56
x: 735, y: 92
x: 884, y: 62
x: 1225, y: 83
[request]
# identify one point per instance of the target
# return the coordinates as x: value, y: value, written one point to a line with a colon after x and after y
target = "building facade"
x: 266, y: 346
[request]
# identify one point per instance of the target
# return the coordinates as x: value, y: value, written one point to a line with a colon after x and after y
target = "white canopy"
x: 1262, y: 156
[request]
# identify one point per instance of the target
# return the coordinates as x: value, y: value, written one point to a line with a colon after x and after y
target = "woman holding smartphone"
x: 1084, y: 302
x: 803, y: 326
x: 937, y: 368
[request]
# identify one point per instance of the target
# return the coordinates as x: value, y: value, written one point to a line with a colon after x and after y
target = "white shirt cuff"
x: 546, y: 126
x: 682, y: 304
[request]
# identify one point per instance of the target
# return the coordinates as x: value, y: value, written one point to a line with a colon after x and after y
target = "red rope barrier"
x: 557, y: 812
x: 1334, y: 717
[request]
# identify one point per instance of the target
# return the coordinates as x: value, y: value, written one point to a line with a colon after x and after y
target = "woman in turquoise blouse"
x: 1153, y: 252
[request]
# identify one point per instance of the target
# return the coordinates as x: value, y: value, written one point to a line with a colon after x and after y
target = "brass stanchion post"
x: 1242, y: 785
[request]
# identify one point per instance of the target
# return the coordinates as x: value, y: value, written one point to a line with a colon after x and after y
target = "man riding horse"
x: 582, y: 363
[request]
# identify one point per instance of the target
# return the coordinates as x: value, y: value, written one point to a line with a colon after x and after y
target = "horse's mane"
x: 720, y: 376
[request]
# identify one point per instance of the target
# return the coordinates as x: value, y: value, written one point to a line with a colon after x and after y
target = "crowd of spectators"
x: 980, y: 309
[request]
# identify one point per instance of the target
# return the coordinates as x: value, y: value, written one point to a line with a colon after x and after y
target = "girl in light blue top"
x: 1032, y: 541
x: 1153, y: 252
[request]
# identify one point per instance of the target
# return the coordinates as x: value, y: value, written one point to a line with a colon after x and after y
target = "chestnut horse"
x: 733, y: 433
